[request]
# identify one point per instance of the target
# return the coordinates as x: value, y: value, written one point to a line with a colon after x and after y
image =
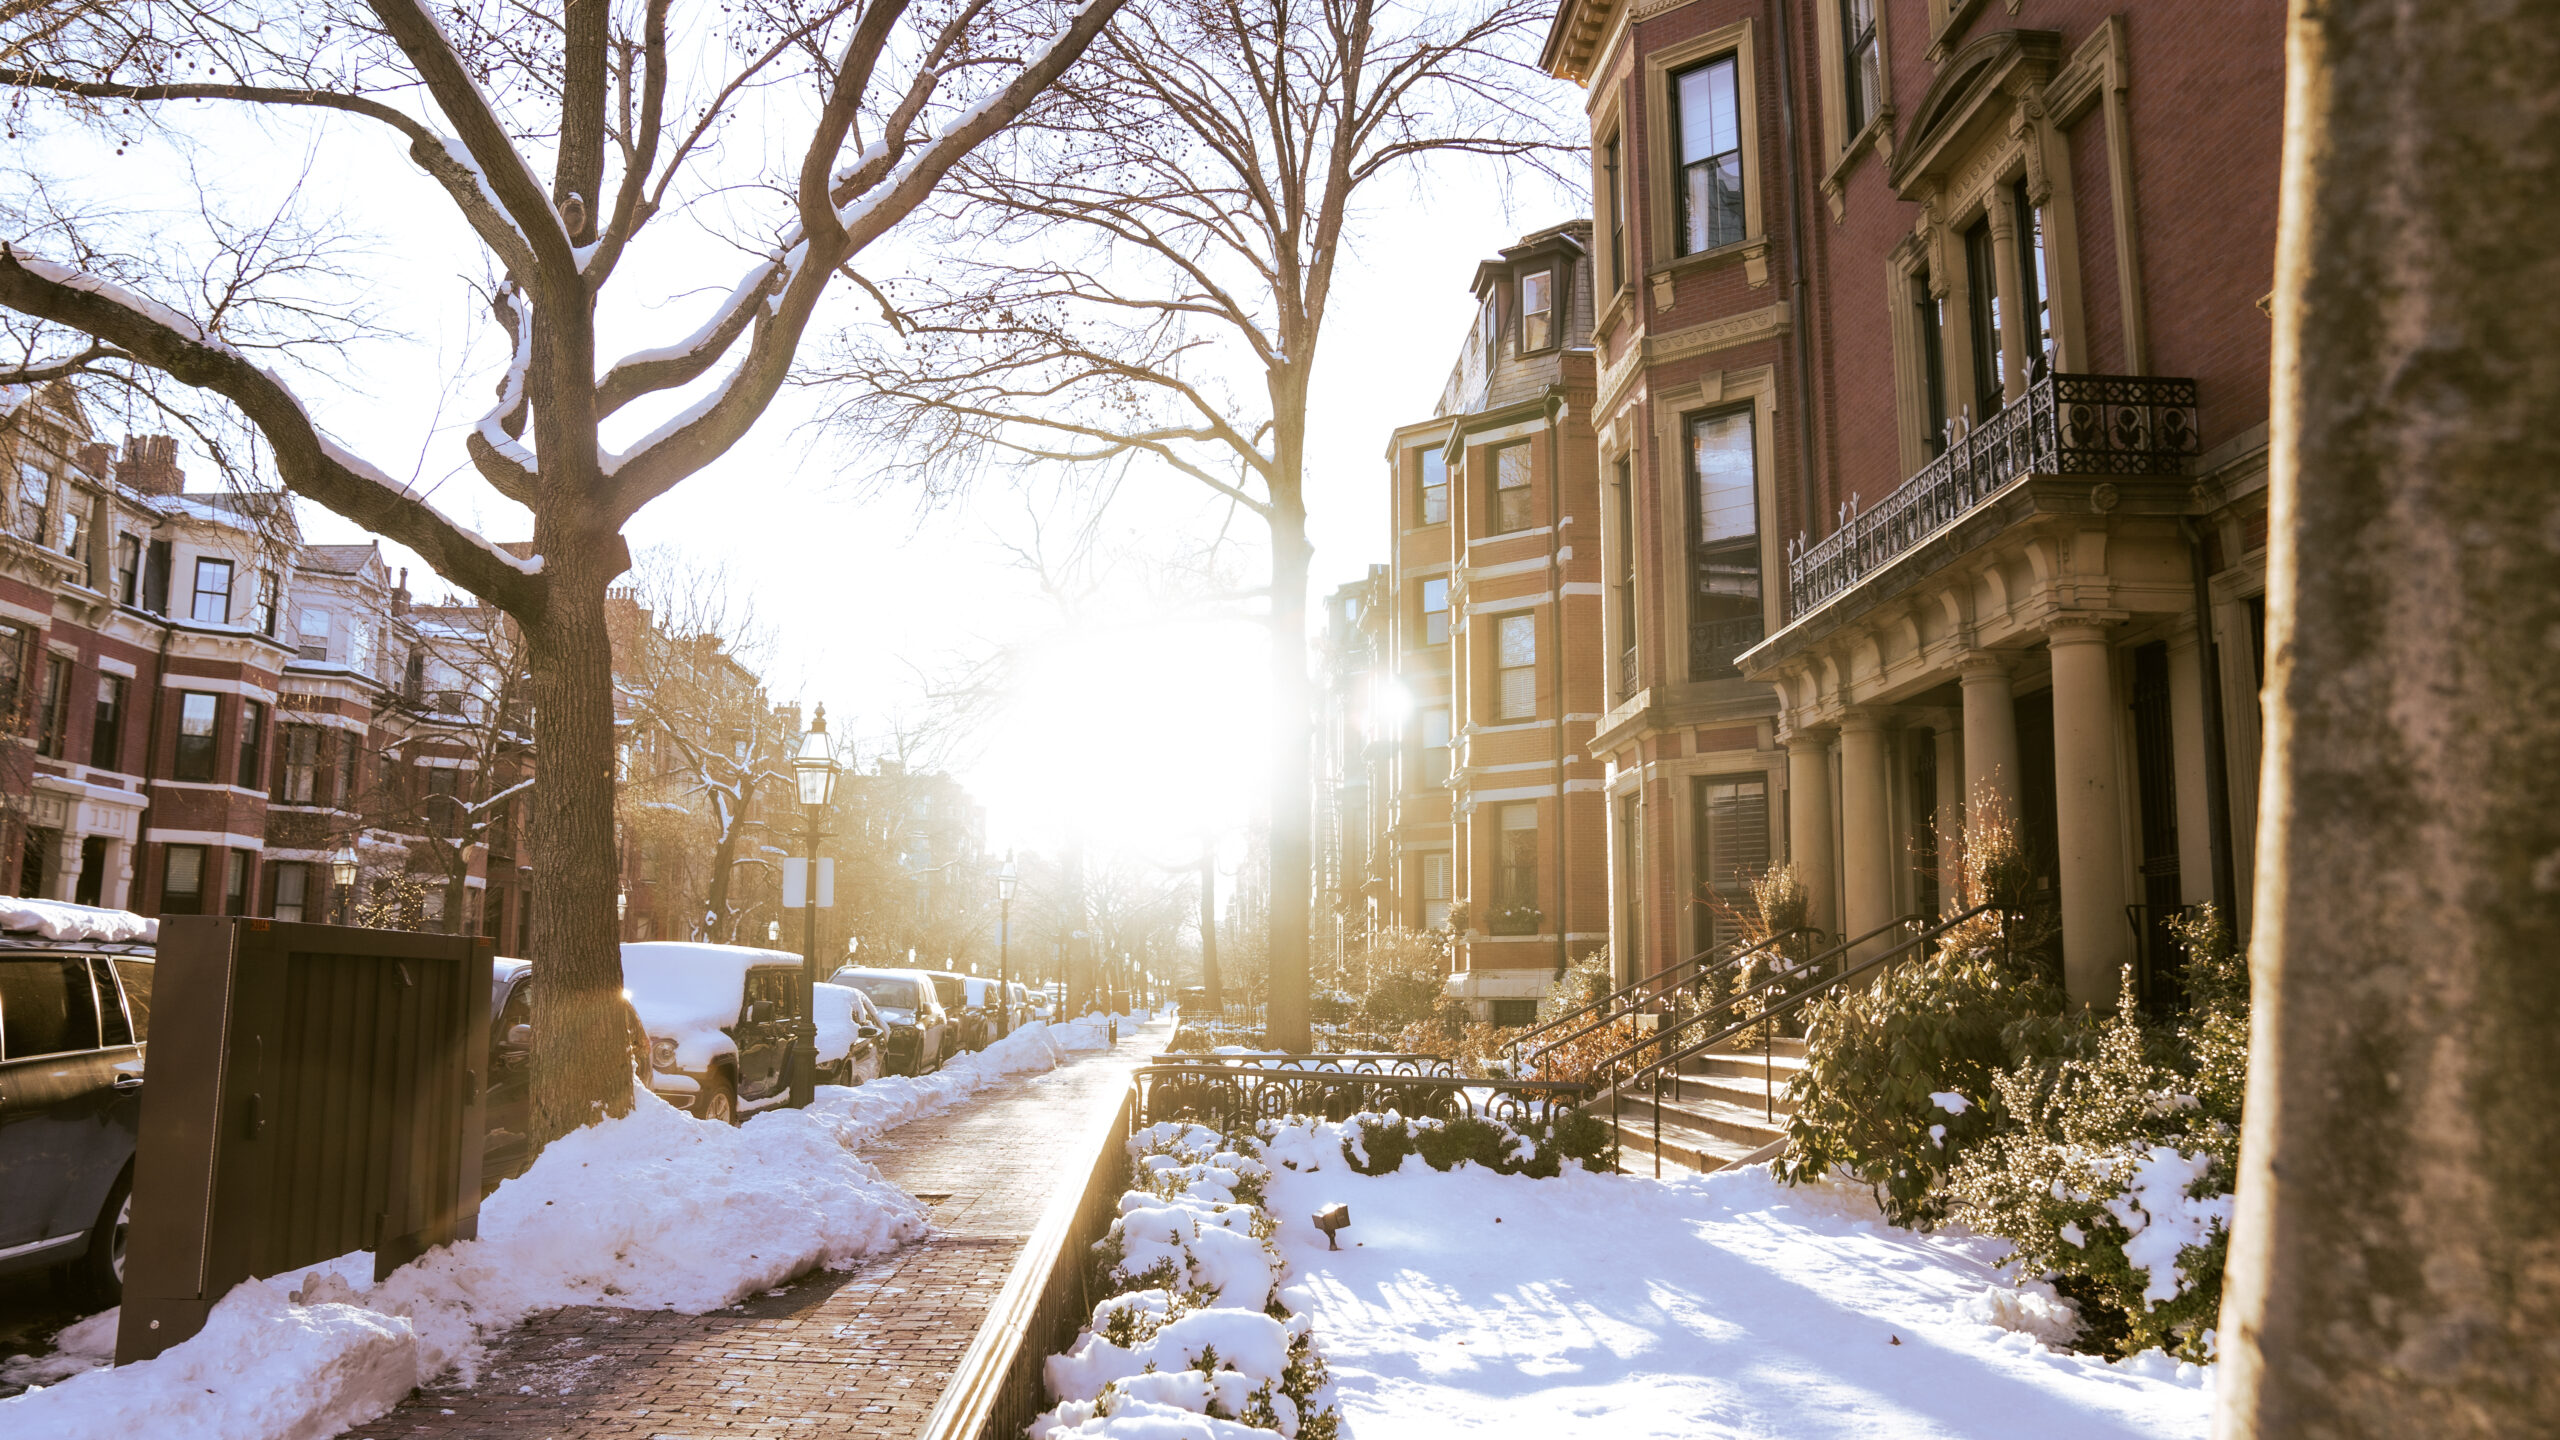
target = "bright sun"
x: 1144, y: 737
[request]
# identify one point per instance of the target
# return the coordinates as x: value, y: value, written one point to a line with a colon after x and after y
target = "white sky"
x: 1135, y: 735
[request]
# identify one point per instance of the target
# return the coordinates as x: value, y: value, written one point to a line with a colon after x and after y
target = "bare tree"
x: 870, y: 103
x: 463, y: 764
x: 1144, y: 269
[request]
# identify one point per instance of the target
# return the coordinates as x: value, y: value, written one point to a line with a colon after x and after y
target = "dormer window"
x: 1537, y: 310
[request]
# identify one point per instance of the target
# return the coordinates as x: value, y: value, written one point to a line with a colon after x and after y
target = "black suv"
x: 74, y: 1014
x: 972, y: 1026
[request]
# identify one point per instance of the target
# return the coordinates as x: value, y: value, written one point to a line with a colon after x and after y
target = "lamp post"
x: 815, y: 770
x: 342, y: 873
x: 1006, y: 879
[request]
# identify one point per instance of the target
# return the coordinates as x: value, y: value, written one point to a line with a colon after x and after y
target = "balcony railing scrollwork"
x: 2063, y: 425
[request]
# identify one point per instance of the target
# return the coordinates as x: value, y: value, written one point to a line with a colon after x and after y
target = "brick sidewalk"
x: 860, y: 1353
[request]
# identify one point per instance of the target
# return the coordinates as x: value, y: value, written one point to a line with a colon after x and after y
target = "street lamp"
x: 342, y: 872
x: 1006, y: 879
x: 815, y: 770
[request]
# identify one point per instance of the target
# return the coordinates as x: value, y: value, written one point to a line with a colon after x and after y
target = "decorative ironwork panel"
x: 1229, y: 1096
x: 1715, y: 644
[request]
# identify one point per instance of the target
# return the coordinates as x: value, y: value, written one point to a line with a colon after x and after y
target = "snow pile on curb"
x: 654, y: 1211
x: 80, y: 1345
x: 1612, y: 1307
x: 1201, y: 1342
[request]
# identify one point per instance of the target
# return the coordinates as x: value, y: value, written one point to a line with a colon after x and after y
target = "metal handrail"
x: 1669, y: 1061
x: 1667, y: 979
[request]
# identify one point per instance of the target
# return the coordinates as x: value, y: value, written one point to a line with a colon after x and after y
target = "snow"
x: 62, y: 920
x: 836, y: 1007
x: 1725, y: 1305
x: 1950, y: 1101
x: 81, y: 1345
x: 2163, y: 1219
x: 862, y: 1111
x: 689, y: 992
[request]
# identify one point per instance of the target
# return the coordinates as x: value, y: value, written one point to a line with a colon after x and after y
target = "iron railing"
x: 2063, y: 425
x: 1001, y: 1383
x: 1648, y: 995
x: 1627, y: 673
x: 1357, y: 1062
x: 1655, y: 1060
x: 1715, y: 644
x: 1230, y: 1097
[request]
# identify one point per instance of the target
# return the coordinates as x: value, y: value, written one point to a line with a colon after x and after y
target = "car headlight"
x: 662, y: 1053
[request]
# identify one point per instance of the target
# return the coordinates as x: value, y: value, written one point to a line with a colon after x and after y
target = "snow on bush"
x: 1376, y: 1144
x: 1194, y: 1345
x: 652, y: 1211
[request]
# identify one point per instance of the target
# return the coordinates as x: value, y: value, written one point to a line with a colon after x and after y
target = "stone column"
x: 118, y: 893
x: 2002, y: 212
x: 1809, y: 822
x: 1990, y: 731
x: 66, y: 868
x: 1950, y: 805
x: 2089, y: 817
x: 1866, y: 824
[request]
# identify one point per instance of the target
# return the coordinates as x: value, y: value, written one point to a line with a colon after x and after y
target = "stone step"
x: 1733, y: 1122
x: 1682, y: 1149
x: 1749, y: 1091
x: 1782, y: 1068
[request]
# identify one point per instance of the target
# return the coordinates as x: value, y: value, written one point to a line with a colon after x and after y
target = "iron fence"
x: 1231, y: 1097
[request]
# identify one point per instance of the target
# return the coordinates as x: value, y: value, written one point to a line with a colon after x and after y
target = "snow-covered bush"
x: 2115, y: 1176
x: 1192, y: 1340
x: 1377, y: 1144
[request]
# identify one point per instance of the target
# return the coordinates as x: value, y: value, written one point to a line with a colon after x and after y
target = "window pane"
x: 1537, y: 310
x: 195, y: 735
x: 1435, y: 486
x: 1518, y: 640
x: 253, y: 720
x: 1511, y: 488
x: 136, y: 975
x: 186, y: 870
x: 1733, y: 826
x: 1519, y: 697
x: 213, y: 592
x: 1721, y: 455
x: 46, y: 1007
x: 1435, y: 612
x: 106, y: 724
x: 1709, y: 125
x: 113, y: 1028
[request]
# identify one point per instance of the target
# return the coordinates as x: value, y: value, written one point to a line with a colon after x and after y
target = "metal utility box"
x: 314, y: 1090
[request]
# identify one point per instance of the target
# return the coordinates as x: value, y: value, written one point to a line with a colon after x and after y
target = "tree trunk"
x: 723, y: 926
x: 2395, y: 1266
x: 582, y: 1065
x: 1292, y: 732
x: 1209, y: 927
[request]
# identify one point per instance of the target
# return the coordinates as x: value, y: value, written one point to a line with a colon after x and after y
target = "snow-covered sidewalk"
x: 1728, y: 1305
x: 655, y: 1211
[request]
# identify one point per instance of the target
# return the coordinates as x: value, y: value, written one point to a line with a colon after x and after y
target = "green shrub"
x: 2115, y: 1177
x: 1468, y: 1137
x: 1377, y: 1144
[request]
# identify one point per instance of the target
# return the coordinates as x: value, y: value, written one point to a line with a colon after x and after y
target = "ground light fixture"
x: 1333, y: 1220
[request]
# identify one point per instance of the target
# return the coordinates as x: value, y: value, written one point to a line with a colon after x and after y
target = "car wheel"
x: 97, y: 1277
x: 719, y: 1099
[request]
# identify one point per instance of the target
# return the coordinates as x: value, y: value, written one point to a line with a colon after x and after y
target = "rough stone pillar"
x: 1866, y: 824
x: 2088, y: 811
x: 2395, y: 1261
x: 1950, y: 811
x: 66, y: 867
x: 1809, y: 822
x: 1990, y: 730
x: 118, y: 894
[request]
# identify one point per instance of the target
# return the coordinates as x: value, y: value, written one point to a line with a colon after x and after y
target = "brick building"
x: 1490, y: 810
x: 1931, y: 415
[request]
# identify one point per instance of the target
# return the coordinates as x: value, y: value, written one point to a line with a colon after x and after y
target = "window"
x: 444, y: 811
x: 235, y: 884
x: 314, y: 626
x: 293, y: 889
x: 35, y: 490
x: 1624, y: 484
x: 47, y: 1007
x: 1435, y: 889
x: 14, y: 641
x: 1863, y: 83
x: 253, y: 735
x: 1709, y: 184
x: 111, y: 1014
x: 348, y: 758
x: 360, y: 648
x: 270, y: 596
x: 2034, y: 305
x: 75, y: 527
x: 136, y: 975
x: 53, y: 709
x: 1724, y: 550
x: 1515, y: 869
x: 1435, y: 486
x: 196, y: 711
x: 1613, y: 188
x: 1515, y: 667
x: 1510, y: 488
x: 1435, y: 611
x: 106, y: 724
x: 1537, y: 310
x: 1929, y: 314
x: 1733, y: 848
x: 213, y: 593
x: 301, y: 765
x: 128, y: 569
x: 1982, y: 306
x: 155, y: 578
x: 182, y: 881
x: 1435, y: 744
x: 1488, y: 325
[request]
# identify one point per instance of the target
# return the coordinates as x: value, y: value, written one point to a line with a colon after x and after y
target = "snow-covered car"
x: 507, y: 1150
x: 916, y: 1020
x: 849, y: 1031
x: 721, y: 1020
x: 75, y: 1014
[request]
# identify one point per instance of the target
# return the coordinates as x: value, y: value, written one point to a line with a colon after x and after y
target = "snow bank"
x: 859, y: 1112
x: 62, y: 920
x: 81, y: 1345
x: 1616, y: 1307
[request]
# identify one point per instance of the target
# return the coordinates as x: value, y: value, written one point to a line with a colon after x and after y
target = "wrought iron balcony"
x: 1627, y: 672
x: 2063, y: 425
x: 1715, y: 644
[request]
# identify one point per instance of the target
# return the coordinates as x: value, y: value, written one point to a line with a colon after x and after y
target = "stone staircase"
x: 1723, y: 1108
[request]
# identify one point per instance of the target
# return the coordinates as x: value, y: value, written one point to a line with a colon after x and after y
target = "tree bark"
x: 1292, y: 731
x: 1209, y: 927
x: 2395, y: 1265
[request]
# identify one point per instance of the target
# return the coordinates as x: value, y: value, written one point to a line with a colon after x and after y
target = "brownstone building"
x: 1931, y: 407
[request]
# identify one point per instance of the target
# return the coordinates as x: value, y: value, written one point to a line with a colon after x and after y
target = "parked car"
x: 971, y: 1027
x: 75, y: 1016
x: 983, y: 995
x: 508, y: 1148
x: 849, y: 1031
x: 908, y: 1004
x: 721, y: 1020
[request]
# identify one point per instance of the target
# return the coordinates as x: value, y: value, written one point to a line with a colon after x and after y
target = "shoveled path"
x: 846, y: 1352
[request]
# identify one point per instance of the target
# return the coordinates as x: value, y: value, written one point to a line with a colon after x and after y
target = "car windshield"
x: 884, y: 990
